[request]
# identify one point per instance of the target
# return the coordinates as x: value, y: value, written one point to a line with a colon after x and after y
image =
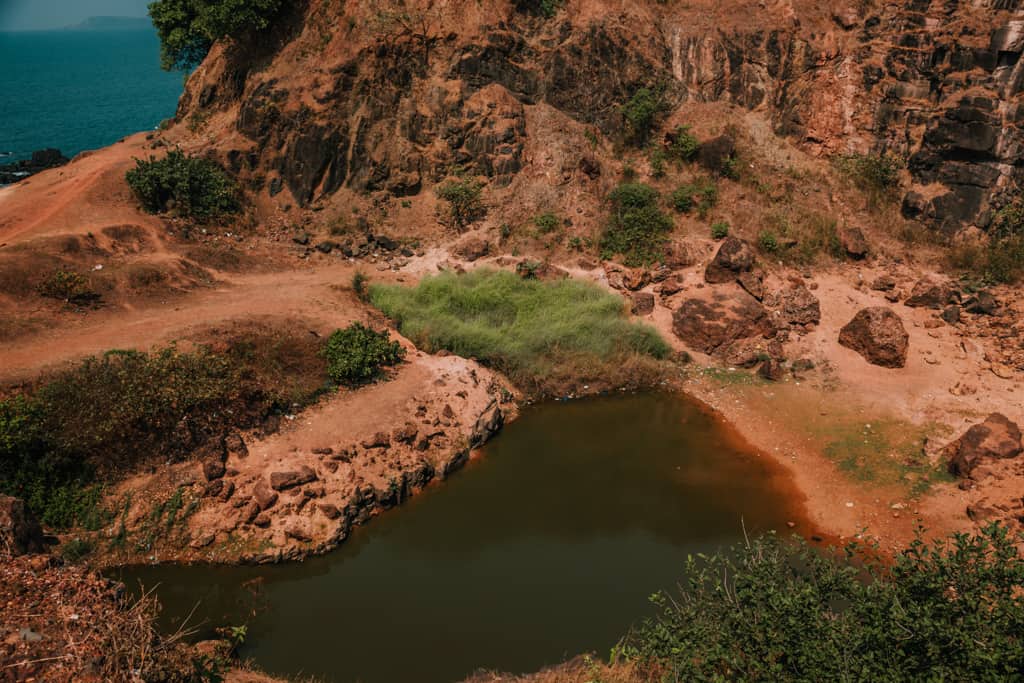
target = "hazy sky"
x: 27, y: 15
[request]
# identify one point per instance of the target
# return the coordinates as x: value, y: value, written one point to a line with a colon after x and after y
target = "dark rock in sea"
x: 40, y: 161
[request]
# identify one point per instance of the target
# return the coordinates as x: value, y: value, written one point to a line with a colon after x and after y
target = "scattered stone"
x: 980, y: 513
x: 471, y: 248
x: 734, y: 257
x: 853, y: 242
x: 772, y: 370
x: 883, y: 283
x: 753, y: 282
x: 798, y: 306
x: 203, y: 541
x: 213, y: 468
x: 801, y: 365
x: 263, y: 495
x: 301, y: 238
x: 329, y: 511
x: 448, y: 413
x: 635, y: 278
x: 323, y: 451
x: 877, y: 334
x: 280, y: 481
x: 262, y: 520
x: 378, y: 440
x: 487, y: 425
x: 234, y: 446
x: 962, y: 389
x: 642, y: 303
x: 981, y: 303
x: 213, y: 489
x: 847, y: 17
x: 932, y: 324
x: 406, y: 434
x: 326, y: 247
x: 298, y: 533
x: 951, y: 314
x: 249, y: 512
x: 672, y: 285
x: 929, y: 293
x: 995, y: 438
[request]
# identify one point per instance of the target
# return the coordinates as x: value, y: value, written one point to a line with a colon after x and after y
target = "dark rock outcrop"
x: 877, y: 333
x: 40, y: 161
x: 930, y: 293
x: 281, y: 481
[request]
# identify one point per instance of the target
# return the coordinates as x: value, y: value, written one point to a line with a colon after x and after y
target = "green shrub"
x: 542, y: 334
x: 356, y: 354
x: 193, y: 187
x: 719, y: 230
x: 68, y: 286
x: 657, y: 161
x: 877, y: 175
x: 546, y: 223
x: 768, y: 241
x: 544, y: 8
x: 112, y: 412
x: 75, y: 549
x: 637, y: 229
x: 188, y: 28
x: 641, y: 113
x: 359, y: 285
x: 683, y: 145
x: 952, y: 610
x: 464, y: 204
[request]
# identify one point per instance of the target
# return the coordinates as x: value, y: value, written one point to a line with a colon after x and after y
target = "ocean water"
x: 80, y: 90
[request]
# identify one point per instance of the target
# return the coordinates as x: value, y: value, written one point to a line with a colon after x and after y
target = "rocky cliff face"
x: 392, y: 98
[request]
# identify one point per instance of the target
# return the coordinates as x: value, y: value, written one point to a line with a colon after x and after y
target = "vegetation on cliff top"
x: 545, y: 335
x: 950, y: 610
x: 188, y: 28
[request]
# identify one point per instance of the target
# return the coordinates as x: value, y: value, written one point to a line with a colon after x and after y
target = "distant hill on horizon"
x: 112, y: 24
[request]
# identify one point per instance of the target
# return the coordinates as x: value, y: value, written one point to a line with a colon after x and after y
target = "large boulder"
x: 19, y: 530
x: 708, y: 325
x: 929, y: 293
x: 853, y: 242
x: 877, y: 333
x: 472, y: 247
x: 996, y: 437
x: 733, y: 258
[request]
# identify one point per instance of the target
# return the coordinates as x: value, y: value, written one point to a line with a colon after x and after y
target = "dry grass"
x: 583, y: 669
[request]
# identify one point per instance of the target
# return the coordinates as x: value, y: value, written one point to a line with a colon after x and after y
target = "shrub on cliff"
x: 546, y: 335
x: 637, y: 229
x: 464, y: 204
x: 188, y: 28
x: 357, y: 354
x: 952, y: 610
x: 190, y: 186
x: 641, y: 112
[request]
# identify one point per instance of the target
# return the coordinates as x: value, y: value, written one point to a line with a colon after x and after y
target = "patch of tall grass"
x: 548, y: 337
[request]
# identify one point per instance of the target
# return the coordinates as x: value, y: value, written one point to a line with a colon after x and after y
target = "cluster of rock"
x: 40, y: 161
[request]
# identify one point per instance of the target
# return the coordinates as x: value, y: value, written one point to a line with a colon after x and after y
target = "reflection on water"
x: 545, y: 547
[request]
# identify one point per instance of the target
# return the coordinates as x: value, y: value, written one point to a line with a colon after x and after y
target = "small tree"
x: 641, y: 112
x: 683, y: 145
x: 464, y: 204
x: 188, y: 28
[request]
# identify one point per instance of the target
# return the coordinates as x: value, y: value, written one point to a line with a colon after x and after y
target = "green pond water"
x: 545, y: 547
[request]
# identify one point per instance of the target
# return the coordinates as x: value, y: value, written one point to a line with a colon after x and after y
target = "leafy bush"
x: 768, y: 242
x: 702, y: 193
x: 188, y: 28
x: 877, y: 175
x: 641, y: 112
x: 464, y: 205
x: 191, y: 186
x: 683, y: 145
x: 546, y: 223
x: 719, y: 230
x: 359, y: 285
x: 545, y: 8
x: 542, y: 334
x: 356, y: 354
x: 657, y: 161
x: 952, y: 610
x: 637, y: 228
x: 69, y: 286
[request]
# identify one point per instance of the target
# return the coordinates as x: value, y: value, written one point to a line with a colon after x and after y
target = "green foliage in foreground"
x: 356, y: 354
x: 193, y: 187
x: 188, y: 28
x: 530, y: 329
x: 637, y: 228
x: 774, y: 611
